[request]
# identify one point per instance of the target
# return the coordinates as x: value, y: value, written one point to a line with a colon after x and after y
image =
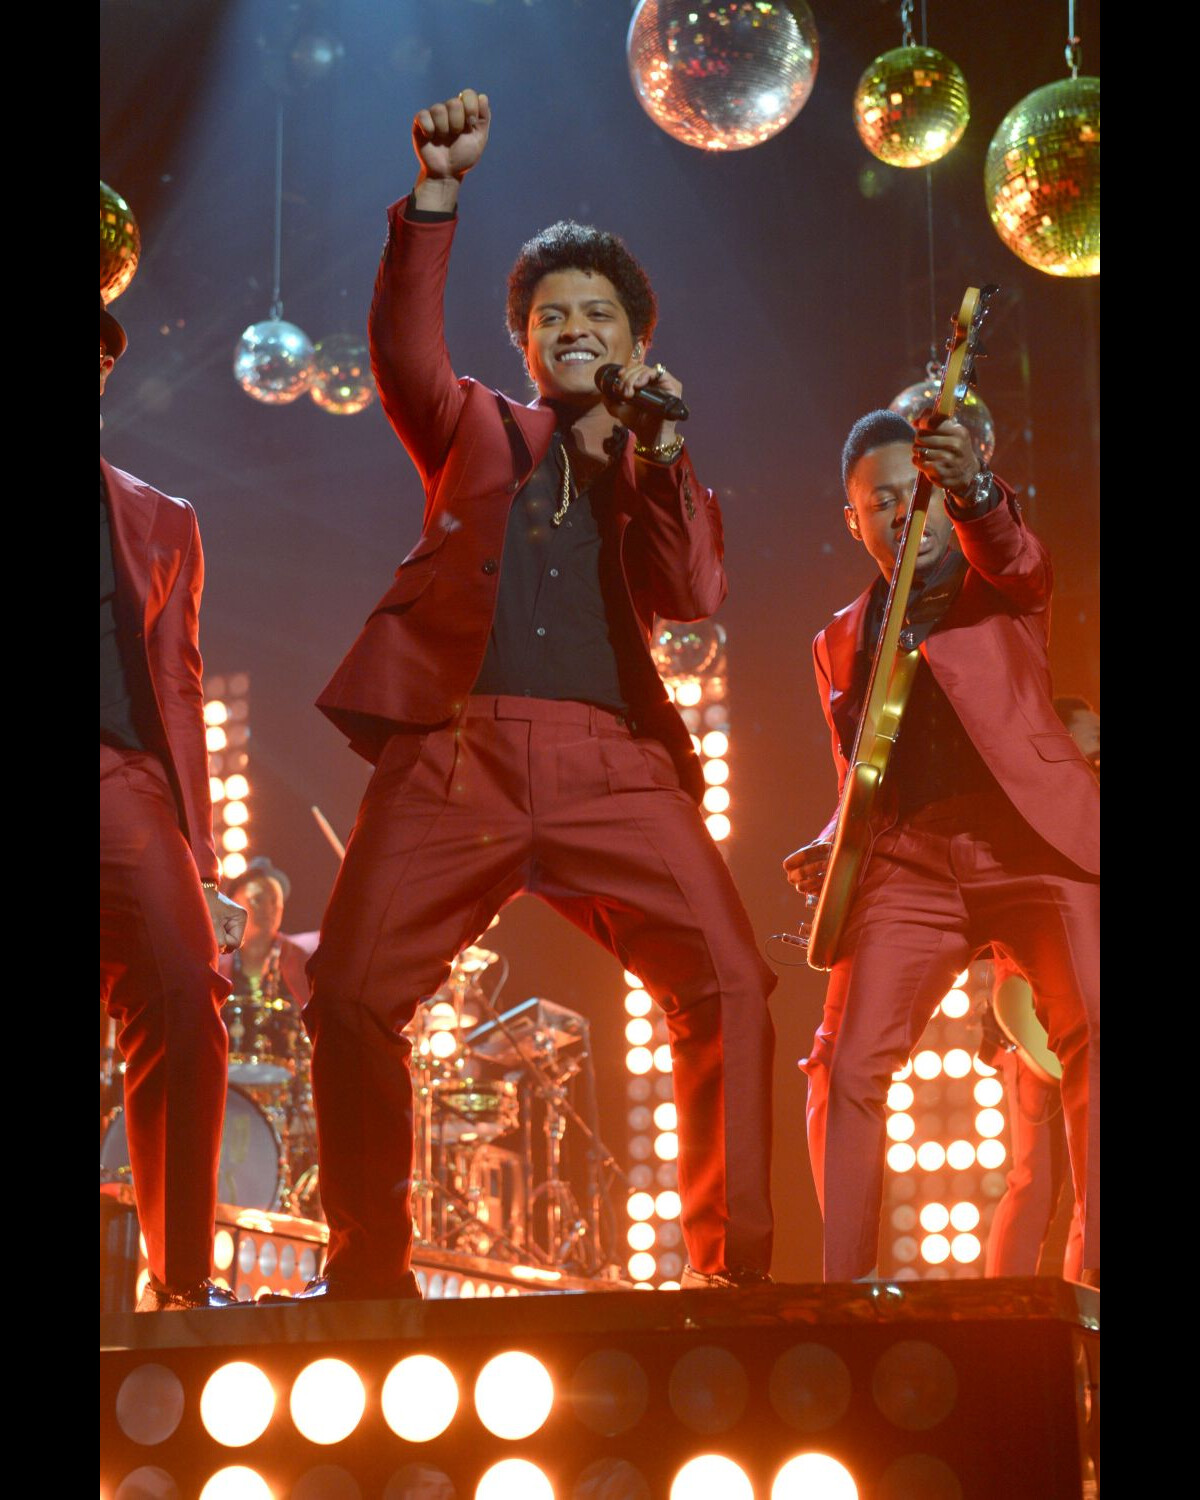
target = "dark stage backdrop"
x: 794, y: 296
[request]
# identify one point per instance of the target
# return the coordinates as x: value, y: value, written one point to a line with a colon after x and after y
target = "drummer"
x: 270, y: 964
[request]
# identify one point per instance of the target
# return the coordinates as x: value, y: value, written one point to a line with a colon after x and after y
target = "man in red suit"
x: 521, y: 736
x: 990, y: 828
x: 161, y: 914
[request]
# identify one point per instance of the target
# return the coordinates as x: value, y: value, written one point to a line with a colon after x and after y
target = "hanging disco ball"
x: 273, y: 361
x: 341, y: 382
x: 688, y: 650
x: 973, y: 414
x: 722, y: 75
x: 911, y: 106
x: 120, y: 244
x: 1042, y: 178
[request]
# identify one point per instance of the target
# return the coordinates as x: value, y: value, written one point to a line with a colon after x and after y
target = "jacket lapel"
x: 132, y: 514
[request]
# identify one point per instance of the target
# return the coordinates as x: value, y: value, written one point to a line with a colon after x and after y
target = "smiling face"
x: 879, y: 488
x: 576, y: 324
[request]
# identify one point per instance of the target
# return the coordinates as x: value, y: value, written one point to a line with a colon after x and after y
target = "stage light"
x: 633, y: 981
x: 214, y: 738
x: 233, y: 841
x: 668, y: 1204
x: 443, y: 1044
x: 711, y: 1477
x: 666, y: 1146
x: 965, y: 1248
x: 956, y: 1004
x: 927, y: 1064
x: 637, y: 1003
x: 935, y: 1248
x: 991, y: 1154
x: 642, y: 1266
x: 235, y: 814
x: 715, y: 743
x: 716, y: 772
x: 716, y: 799
x: 989, y: 1122
x: 237, y: 787
x: 901, y: 1157
x: 902, y: 1073
x: 931, y: 1157
x: 899, y: 1096
x: 719, y: 827
x: 237, y: 1404
x: 237, y: 1483
x: 964, y: 1215
x: 688, y: 693
x: 988, y: 1092
x: 150, y: 1403
x: 641, y: 1236
x: 957, y: 1062
x: 662, y: 1057
x: 814, y: 1476
x: 639, y: 1031
x: 216, y: 789
x: 639, y: 1060
x: 514, y: 1395
x: 639, y: 1205
x: 328, y: 1400
x: 901, y: 1127
x: 215, y: 712
x: 985, y: 1070
x: 960, y: 1154
x: 222, y: 1249
x: 666, y: 1116
x: 514, y: 1479
x: 419, y: 1399
x: 934, y: 1217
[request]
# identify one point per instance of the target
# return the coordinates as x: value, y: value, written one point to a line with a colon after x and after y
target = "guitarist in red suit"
x: 161, y: 914
x: 522, y: 740
x: 990, y: 825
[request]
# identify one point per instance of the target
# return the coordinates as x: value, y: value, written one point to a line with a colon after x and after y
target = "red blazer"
x: 421, y: 649
x: 159, y: 569
x: 988, y: 655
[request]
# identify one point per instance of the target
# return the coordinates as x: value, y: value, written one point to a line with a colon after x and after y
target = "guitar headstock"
x: 963, y: 348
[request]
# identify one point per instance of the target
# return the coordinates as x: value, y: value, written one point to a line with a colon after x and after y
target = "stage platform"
x: 954, y: 1390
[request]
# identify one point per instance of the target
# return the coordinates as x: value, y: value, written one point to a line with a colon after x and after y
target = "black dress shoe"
x: 733, y: 1279
x: 159, y: 1298
x: 337, y: 1289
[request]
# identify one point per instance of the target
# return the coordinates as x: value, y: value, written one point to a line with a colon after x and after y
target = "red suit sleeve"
x: 1002, y: 549
x: 682, y: 539
x: 824, y: 673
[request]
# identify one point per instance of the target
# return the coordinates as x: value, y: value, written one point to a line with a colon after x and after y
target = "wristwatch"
x: 978, y: 497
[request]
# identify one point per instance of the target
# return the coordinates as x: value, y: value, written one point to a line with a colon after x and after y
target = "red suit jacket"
x: 159, y: 568
x: 988, y: 655
x: 421, y: 649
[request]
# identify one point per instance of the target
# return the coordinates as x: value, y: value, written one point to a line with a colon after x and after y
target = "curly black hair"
x: 876, y: 430
x: 568, y: 246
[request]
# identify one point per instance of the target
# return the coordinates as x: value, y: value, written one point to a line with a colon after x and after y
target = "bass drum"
x: 250, y: 1172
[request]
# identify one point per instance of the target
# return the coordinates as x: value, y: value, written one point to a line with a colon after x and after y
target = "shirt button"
x: 553, y: 572
x: 490, y: 565
x: 541, y: 630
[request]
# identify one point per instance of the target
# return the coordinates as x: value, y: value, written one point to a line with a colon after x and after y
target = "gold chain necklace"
x: 564, y: 503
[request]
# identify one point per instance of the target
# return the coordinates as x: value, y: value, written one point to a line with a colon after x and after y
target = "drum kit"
x: 494, y: 1099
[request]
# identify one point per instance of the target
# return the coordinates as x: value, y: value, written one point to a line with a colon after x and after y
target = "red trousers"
x: 158, y: 977
x: 1039, y: 1168
x: 937, y: 887
x: 557, y: 799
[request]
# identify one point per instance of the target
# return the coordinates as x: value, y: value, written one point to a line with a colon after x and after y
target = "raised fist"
x: 449, y: 138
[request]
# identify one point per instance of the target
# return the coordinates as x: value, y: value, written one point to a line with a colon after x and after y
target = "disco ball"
x: 120, y: 244
x: 341, y: 381
x: 911, y: 106
x: 722, y: 74
x: 315, y: 55
x: 973, y: 414
x: 688, y: 650
x: 1042, y: 178
x: 273, y: 361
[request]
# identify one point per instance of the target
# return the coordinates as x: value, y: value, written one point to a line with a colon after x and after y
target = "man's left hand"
x: 228, y: 919
x: 649, y: 428
x: 944, y: 453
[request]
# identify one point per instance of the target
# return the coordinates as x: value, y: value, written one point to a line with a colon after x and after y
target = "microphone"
x: 661, y: 403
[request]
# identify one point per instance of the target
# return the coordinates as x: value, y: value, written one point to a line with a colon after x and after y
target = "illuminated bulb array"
x: 227, y: 734
x: 653, y: 1121
x: 945, y: 1119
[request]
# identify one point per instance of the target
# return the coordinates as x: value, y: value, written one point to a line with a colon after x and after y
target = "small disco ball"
x: 274, y: 361
x: 722, y: 75
x: 911, y: 106
x: 688, y: 650
x: 1042, y: 178
x: 315, y: 55
x: 341, y: 382
x: 973, y: 414
x: 120, y: 244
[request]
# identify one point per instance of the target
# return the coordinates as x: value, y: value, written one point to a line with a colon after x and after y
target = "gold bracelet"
x: 664, y: 453
x: 210, y: 885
